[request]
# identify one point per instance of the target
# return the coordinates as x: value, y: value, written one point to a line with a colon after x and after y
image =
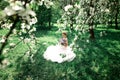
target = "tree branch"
x: 8, y: 34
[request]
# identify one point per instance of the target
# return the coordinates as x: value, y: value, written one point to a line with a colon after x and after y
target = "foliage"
x: 44, y: 16
x: 3, y: 4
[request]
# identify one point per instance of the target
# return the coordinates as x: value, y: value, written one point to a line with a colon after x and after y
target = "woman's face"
x: 63, y: 35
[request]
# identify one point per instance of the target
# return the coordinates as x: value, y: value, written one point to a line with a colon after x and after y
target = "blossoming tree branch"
x: 18, y: 18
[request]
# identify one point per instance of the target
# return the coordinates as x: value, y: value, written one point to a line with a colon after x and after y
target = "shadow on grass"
x: 111, y: 44
x: 100, y: 58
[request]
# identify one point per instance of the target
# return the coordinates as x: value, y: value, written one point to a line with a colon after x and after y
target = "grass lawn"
x: 95, y: 60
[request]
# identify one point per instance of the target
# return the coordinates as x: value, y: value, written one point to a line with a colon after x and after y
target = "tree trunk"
x: 116, y: 17
x: 71, y: 17
x: 116, y: 21
x: 50, y: 17
x: 72, y: 22
x: 91, y: 23
x: 91, y: 30
x: 110, y: 23
x: 116, y: 13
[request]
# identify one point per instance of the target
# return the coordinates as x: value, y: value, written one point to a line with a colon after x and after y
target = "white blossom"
x: 24, y: 31
x: 20, y: 3
x: 22, y: 13
x: 66, y: 8
x: 5, y: 62
x: 83, y: 30
x: 28, y: 27
x: 76, y: 37
x: 17, y: 5
x: 23, y: 25
x: 27, y: 53
x: 87, y: 41
x: 44, y: 43
x: 68, y: 13
x: 9, y: 25
x: 107, y: 10
x: 12, y: 44
x: 31, y: 58
x: 40, y: 3
x: 79, y: 33
x: 30, y: 12
x: 20, y: 33
x: 14, y: 31
x: 48, y: 3
x: 26, y: 16
x: 21, y: 38
x: 33, y: 43
x: 76, y: 28
x: 33, y: 21
x: 79, y: 49
x: 5, y: 50
x: 2, y: 40
x: 77, y: 5
x: 34, y: 29
x: 27, y: 40
x: 32, y: 36
x: 13, y: 8
x: 9, y: 11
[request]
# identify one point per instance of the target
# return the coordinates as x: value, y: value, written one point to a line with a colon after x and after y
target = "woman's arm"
x: 66, y: 42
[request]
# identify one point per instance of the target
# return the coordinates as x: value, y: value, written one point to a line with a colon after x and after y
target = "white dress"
x: 59, y: 53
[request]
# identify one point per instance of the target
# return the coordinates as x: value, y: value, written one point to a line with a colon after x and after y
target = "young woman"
x: 60, y: 52
x: 63, y: 40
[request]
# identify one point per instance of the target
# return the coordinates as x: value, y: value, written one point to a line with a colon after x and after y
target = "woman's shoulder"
x: 64, y: 38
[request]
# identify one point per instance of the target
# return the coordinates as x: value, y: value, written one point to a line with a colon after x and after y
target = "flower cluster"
x: 66, y: 8
x: 47, y: 3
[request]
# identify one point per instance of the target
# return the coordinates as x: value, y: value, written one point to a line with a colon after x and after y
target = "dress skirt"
x: 59, y: 53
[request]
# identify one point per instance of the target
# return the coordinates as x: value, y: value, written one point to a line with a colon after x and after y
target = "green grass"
x: 95, y: 60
